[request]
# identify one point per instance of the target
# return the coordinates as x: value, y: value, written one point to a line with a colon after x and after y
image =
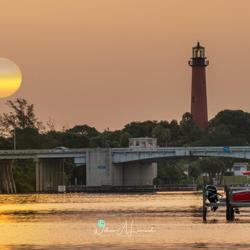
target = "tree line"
x: 228, y: 127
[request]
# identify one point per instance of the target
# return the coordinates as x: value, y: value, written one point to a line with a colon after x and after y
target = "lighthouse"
x: 198, y: 63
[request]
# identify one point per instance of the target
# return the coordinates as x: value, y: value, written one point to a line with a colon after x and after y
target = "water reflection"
x: 68, y: 221
x: 72, y: 206
x: 200, y: 246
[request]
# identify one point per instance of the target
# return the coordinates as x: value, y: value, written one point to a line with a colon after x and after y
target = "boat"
x: 242, y: 195
x: 246, y: 172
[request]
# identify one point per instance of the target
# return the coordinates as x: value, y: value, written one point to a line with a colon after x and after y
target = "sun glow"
x: 10, y: 77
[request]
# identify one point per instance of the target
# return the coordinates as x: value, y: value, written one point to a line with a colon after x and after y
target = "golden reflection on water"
x: 68, y: 221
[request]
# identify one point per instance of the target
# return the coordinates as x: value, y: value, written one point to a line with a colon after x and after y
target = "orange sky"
x: 108, y: 62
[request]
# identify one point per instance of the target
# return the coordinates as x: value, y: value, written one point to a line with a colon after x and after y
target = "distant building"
x: 239, y: 168
x: 145, y: 142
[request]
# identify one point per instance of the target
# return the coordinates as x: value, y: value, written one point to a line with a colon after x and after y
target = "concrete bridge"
x: 124, y: 155
x: 104, y: 166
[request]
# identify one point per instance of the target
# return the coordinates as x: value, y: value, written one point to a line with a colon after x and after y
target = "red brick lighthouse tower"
x: 198, y: 63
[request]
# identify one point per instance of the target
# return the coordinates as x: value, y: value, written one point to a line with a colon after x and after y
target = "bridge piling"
x: 49, y: 174
x: 7, y: 183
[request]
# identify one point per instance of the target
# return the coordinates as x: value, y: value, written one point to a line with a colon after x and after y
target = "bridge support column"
x: 49, y: 174
x: 139, y: 174
x: 7, y: 183
x: 99, y: 167
x: 101, y: 171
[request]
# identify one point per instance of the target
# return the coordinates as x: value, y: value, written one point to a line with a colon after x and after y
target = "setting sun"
x: 10, y: 77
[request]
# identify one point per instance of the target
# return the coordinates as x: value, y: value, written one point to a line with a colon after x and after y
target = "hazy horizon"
x: 107, y: 63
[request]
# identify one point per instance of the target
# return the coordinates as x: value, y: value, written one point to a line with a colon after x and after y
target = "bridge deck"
x: 123, y: 155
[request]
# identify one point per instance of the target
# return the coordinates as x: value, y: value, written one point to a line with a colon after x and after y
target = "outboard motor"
x: 212, y: 195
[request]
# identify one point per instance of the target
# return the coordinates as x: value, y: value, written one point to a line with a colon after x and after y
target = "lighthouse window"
x: 195, y: 53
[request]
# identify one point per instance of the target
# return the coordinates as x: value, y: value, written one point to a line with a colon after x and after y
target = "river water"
x: 117, y: 221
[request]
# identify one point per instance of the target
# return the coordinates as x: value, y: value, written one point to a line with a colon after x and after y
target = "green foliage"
x: 83, y: 130
x: 228, y: 127
x: 140, y: 129
x: 22, y: 116
x: 175, y: 133
x: 28, y: 138
x: 213, y: 166
x: 173, y: 172
x: 169, y: 172
x: 162, y: 134
x: 124, y: 139
x: 24, y: 175
x: 194, y: 170
x: 189, y: 130
x: 106, y: 139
